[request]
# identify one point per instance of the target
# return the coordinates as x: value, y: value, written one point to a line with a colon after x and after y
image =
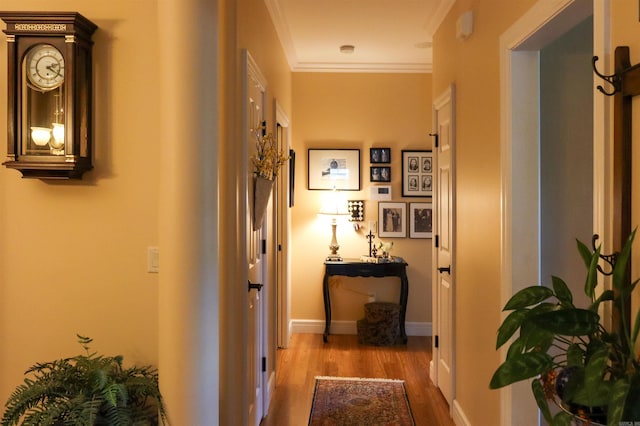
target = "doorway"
x: 536, y: 147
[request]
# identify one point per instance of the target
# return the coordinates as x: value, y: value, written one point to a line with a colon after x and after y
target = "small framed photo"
x: 420, y: 220
x: 392, y: 220
x: 380, y: 174
x: 417, y: 173
x: 334, y: 168
x: 379, y: 155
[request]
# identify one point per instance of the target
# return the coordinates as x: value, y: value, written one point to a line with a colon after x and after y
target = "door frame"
x: 283, y: 237
x: 519, y: 80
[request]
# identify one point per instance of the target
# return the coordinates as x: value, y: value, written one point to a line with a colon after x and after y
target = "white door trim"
x: 283, y: 302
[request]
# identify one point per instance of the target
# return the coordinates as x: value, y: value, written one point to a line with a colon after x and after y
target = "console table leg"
x: 327, y: 308
x: 404, y: 297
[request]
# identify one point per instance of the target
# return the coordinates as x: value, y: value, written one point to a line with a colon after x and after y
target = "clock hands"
x: 52, y: 67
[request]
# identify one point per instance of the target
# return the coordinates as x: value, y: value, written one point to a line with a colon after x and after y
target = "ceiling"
x: 387, y: 35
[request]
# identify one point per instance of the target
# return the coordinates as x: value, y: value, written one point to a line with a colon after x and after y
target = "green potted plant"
x: 591, y: 373
x: 88, y: 389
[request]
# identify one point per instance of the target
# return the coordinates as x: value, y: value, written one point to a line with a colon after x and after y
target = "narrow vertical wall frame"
x: 49, y: 91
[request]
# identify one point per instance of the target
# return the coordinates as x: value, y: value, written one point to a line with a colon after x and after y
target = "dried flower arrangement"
x: 267, y: 159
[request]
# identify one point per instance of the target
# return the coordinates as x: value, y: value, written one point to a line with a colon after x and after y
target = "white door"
x: 255, y: 89
x: 444, y: 240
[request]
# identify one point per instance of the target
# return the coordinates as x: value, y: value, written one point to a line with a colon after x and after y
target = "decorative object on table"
x: 50, y: 94
x: 385, y: 249
x: 392, y: 221
x: 380, y: 174
x: 379, y: 155
x: 334, y: 168
x: 87, y: 389
x: 360, y: 401
x: 417, y: 173
x: 334, y: 208
x: 372, y: 247
x: 420, y: 220
x: 356, y: 210
x: 592, y: 373
x: 267, y: 161
x: 380, y: 193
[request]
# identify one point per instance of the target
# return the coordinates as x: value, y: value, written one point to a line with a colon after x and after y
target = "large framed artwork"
x: 417, y: 173
x: 420, y: 220
x: 392, y: 220
x: 334, y: 168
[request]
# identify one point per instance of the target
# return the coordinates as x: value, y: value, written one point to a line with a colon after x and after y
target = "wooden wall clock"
x: 49, y: 94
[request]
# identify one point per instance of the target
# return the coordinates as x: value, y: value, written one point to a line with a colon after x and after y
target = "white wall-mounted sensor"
x: 464, y: 25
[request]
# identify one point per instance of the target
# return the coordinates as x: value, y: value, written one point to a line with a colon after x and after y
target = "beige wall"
x: 473, y: 65
x: 73, y: 254
x: 360, y: 111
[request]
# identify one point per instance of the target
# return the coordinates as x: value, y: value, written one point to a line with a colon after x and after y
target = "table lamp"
x: 334, y: 208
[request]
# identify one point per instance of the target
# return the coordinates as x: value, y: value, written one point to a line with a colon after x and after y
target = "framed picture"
x: 392, y: 220
x: 420, y: 220
x: 292, y: 176
x: 334, y: 168
x: 379, y: 155
x: 380, y: 174
x: 417, y: 173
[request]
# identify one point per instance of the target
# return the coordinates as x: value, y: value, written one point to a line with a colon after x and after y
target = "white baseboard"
x: 458, y: 415
x: 349, y: 327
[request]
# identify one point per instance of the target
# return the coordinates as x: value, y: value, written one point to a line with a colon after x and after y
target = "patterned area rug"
x: 347, y: 401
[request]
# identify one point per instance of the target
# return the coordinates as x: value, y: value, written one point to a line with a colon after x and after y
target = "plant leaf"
x: 562, y: 291
x: 605, y: 296
x: 575, y: 355
x: 528, y: 296
x: 520, y: 367
x: 562, y: 419
x: 585, y: 253
x: 535, y: 337
x: 620, y: 269
x: 592, y: 274
x: 594, y: 375
x: 617, y: 399
x: 541, y: 399
x: 510, y: 325
x: 568, y: 322
x: 517, y: 347
x: 636, y: 330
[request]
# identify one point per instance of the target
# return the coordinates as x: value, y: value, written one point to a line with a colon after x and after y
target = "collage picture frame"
x: 417, y: 173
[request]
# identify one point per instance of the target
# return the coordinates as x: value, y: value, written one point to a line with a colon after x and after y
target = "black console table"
x: 356, y: 268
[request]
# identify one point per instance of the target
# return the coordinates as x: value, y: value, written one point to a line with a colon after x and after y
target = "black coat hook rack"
x: 614, y: 79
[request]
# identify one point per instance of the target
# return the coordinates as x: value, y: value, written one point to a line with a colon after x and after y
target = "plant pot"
x: 261, y: 193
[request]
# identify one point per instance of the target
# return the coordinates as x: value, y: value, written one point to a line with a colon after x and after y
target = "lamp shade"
x: 334, y: 205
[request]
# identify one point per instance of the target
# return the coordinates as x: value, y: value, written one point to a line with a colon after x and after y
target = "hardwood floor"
x: 307, y: 357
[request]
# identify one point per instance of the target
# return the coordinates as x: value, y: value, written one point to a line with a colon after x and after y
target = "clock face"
x: 45, y: 67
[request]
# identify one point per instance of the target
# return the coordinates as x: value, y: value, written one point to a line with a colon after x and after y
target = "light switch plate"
x: 153, y: 260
